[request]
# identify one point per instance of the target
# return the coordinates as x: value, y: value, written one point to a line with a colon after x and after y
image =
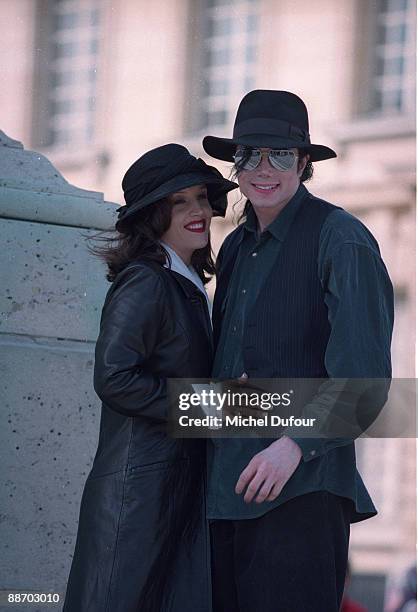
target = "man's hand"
x: 269, y: 469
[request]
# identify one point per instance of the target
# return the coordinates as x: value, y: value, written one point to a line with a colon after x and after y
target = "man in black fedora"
x: 302, y: 292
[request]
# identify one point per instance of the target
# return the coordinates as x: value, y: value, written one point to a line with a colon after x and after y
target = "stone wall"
x: 52, y: 291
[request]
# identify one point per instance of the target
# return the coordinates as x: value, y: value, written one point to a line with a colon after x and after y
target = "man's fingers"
x: 265, y: 491
x: 251, y: 478
x: 253, y: 487
x: 245, y: 477
x: 275, y: 491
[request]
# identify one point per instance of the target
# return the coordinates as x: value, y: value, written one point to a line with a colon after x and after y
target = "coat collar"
x: 188, y: 287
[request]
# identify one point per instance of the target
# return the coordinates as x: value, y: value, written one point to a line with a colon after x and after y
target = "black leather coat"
x: 137, y: 548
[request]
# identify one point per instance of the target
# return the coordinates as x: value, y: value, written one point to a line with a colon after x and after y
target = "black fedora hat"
x: 168, y: 169
x: 269, y: 118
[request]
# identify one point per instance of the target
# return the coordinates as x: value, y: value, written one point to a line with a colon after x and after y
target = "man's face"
x: 268, y: 188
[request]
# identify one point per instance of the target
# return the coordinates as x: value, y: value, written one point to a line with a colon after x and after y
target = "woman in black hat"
x: 142, y: 538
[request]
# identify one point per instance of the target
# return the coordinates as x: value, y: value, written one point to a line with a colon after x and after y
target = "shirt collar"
x: 279, y: 227
x: 177, y: 265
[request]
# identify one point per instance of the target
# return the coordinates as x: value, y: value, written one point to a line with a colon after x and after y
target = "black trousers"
x: 292, y: 559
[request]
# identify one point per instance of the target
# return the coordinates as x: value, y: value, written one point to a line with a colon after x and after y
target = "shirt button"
x: 234, y: 328
x: 244, y: 291
x: 254, y: 254
x: 313, y: 453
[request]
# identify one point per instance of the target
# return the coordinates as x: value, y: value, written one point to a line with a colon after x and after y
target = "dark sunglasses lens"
x: 282, y: 160
x: 247, y: 159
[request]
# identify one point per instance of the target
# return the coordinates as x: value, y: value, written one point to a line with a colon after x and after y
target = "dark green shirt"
x: 359, y: 298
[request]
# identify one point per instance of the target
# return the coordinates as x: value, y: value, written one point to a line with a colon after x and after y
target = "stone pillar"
x: 50, y: 303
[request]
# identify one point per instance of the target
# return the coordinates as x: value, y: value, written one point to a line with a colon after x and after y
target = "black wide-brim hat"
x: 166, y: 170
x: 269, y: 118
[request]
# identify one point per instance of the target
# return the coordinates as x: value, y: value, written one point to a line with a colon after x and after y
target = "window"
x: 393, y: 79
x: 69, y: 98
x: 228, y: 60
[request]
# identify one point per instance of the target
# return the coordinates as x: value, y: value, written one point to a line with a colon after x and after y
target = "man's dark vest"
x: 287, y: 330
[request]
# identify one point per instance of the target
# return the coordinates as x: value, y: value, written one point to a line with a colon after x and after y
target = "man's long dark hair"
x: 138, y: 238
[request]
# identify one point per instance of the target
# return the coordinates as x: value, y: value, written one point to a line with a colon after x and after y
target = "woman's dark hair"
x: 138, y: 238
x: 236, y: 168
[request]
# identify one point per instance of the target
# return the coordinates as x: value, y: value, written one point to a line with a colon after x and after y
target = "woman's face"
x: 190, y: 221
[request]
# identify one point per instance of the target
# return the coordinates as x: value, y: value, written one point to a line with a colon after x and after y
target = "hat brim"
x: 224, y: 148
x: 218, y: 188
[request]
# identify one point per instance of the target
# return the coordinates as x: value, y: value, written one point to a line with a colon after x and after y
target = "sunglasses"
x: 247, y: 158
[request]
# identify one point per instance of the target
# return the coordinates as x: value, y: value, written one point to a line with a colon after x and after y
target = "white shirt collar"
x: 178, y: 265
